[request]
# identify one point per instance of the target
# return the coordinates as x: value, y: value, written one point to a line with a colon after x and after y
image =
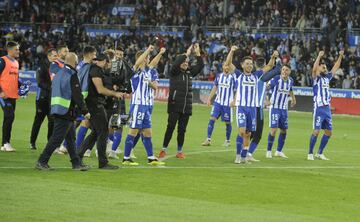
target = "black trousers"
x: 99, y: 133
x: 8, y: 106
x: 42, y: 111
x: 256, y: 136
x: 63, y: 129
x: 182, y: 119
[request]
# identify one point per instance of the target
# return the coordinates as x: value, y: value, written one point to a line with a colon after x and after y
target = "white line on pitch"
x: 213, y: 167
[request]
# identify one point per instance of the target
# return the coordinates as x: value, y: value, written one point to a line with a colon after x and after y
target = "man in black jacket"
x: 96, y: 101
x: 43, y: 98
x: 180, y: 96
x: 66, y: 93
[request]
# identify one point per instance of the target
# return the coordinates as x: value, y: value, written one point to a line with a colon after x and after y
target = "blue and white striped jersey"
x: 225, y: 88
x: 141, y: 91
x: 246, y: 89
x: 321, y: 91
x: 280, y: 92
x: 154, y: 77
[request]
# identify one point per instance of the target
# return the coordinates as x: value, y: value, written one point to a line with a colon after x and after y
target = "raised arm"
x: 338, y: 62
x: 272, y: 73
x: 196, y: 69
x: 142, y: 57
x: 315, y: 70
x: 229, y: 58
x: 271, y: 63
x: 157, y: 58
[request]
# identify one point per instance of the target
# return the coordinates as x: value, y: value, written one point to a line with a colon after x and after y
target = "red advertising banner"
x: 162, y: 93
x: 345, y: 106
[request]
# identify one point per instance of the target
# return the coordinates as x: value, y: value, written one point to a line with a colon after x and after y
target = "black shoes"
x: 81, y: 167
x: 43, y: 166
x: 33, y: 146
x: 108, y: 167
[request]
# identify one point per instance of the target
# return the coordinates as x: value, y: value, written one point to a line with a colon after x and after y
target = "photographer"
x: 180, y: 96
x: 118, y: 76
x: 96, y: 102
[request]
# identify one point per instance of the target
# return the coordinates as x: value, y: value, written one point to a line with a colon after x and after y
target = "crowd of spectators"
x: 240, y: 14
x: 298, y: 50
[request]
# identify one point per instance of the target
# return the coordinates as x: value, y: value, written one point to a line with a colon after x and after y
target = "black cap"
x: 101, y: 57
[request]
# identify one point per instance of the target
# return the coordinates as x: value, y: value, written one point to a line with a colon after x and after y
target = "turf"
x: 206, y: 186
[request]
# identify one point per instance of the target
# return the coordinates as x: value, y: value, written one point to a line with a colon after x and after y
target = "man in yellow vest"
x: 9, y: 85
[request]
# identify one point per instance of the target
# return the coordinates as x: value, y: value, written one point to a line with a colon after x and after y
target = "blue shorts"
x: 224, y: 111
x: 278, y: 118
x: 322, y: 118
x: 140, y: 117
x: 151, y: 109
x: 246, y: 118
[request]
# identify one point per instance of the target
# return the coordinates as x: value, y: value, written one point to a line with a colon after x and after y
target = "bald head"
x: 71, y: 59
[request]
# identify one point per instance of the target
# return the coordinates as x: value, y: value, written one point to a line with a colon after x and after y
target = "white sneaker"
x: 63, y: 149
x: 310, y: 157
x: 132, y: 154
x: 112, y: 155
x: 57, y: 151
x: 249, y: 157
x: 207, y: 142
x: 109, y: 146
x: 268, y: 154
x: 321, y: 157
x: 280, y: 154
x: 226, y: 143
x: 118, y: 151
x: 7, y: 148
x: 87, y: 153
x: 237, y: 159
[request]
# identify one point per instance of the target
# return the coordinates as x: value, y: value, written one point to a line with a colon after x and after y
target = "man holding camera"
x: 180, y: 96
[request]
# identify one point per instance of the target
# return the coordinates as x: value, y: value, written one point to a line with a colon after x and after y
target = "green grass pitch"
x: 206, y: 186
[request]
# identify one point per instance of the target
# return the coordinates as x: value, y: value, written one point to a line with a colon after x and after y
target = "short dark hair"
x: 89, y: 49
x: 245, y: 58
x: 50, y: 51
x: 110, y: 53
x: 59, y: 47
x: 11, y: 44
x: 119, y: 48
x: 287, y: 65
x: 260, y: 61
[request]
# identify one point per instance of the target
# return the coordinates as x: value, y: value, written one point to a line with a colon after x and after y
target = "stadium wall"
x: 342, y: 102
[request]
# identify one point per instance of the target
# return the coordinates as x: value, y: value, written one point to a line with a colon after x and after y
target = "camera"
x: 121, y: 74
x: 119, y: 118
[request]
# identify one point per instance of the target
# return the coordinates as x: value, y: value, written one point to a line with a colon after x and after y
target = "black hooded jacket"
x: 181, y: 95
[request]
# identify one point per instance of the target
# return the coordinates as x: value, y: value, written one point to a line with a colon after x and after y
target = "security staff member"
x: 180, y: 97
x: 55, y: 66
x: 43, y: 98
x: 65, y: 94
x: 9, y: 84
x: 95, y: 102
